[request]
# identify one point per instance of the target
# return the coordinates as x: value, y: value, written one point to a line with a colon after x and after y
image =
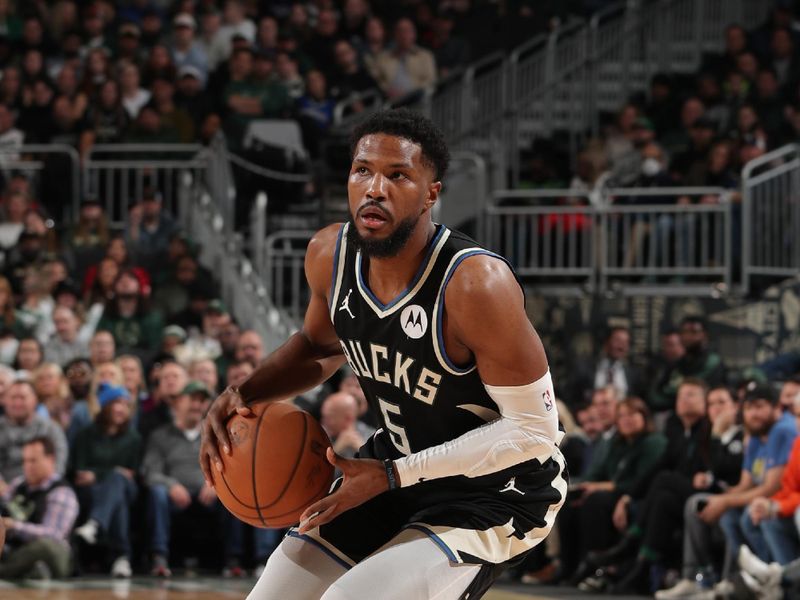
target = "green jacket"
x: 142, y: 332
x: 94, y: 451
x: 627, y: 464
x: 705, y: 365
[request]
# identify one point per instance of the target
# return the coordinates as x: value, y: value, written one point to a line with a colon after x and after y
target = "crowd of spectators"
x: 683, y: 475
x: 113, y: 341
x: 160, y: 71
x: 696, y: 129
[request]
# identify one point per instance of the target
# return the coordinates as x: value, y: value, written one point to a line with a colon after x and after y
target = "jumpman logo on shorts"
x: 346, y: 304
x: 511, y: 486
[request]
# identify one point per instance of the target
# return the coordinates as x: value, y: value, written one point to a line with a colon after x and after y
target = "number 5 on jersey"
x: 396, y: 432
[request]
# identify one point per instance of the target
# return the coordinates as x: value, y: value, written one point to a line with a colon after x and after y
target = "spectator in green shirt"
x: 248, y: 97
x: 633, y: 453
x: 105, y: 456
x: 698, y: 361
x: 136, y: 330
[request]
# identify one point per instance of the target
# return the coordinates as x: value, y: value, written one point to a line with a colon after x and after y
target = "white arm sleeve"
x: 527, y: 429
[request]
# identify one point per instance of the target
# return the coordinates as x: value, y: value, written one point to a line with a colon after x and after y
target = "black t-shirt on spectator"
x: 346, y: 84
x: 198, y: 106
x: 37, y: 123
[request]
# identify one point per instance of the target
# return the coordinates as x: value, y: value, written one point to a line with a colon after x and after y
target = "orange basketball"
x: 277, y: 466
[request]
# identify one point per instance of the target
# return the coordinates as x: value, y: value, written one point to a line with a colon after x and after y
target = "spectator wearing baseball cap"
x: 766, y: 455
x: 173, y: 476
x: 186, y: 51
x: 128, y: 38
x: 104, y: 458
x: 174, y: 336
x: 772, y: 435
x: 190, y: 95
x: 204, y: 343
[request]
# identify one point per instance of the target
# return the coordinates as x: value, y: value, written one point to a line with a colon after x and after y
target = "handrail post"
x: 258, y: 231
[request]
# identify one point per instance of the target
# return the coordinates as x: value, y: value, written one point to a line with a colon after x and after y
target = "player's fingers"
x: 212, y: 452
x: 244, y: 411
x: 205, y: 467
x: 221, y: 435
x: 334, y: 458
x: 317, y: 507
x: 240, y: 406
x: 319, y: 519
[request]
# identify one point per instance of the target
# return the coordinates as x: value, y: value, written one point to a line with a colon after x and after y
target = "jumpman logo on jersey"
x: 346, y: 304
x: 511, y: 486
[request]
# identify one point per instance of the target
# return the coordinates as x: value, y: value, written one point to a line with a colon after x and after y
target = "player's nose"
x: 377, y: 187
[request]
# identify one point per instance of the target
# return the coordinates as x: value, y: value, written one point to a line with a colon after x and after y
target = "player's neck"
x: 388, y: 277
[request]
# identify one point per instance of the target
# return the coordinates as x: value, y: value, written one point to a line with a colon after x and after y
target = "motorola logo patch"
x: 414, y: 321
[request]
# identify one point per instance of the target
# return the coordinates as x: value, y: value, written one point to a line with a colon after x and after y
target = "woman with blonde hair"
x: 52, y: 389
x: 134, y: 382
x: 85, y: 411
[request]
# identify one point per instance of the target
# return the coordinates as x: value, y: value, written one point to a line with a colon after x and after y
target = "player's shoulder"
x: 482, y: 274
x: 320, y: 255
x: 323, y: 242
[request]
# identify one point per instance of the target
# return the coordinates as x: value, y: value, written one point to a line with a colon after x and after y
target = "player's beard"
x: 388, y: 246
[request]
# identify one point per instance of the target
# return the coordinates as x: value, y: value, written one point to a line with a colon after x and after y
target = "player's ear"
x: 434, y: 189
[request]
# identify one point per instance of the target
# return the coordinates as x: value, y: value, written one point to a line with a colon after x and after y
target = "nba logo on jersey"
x: 414, y: 321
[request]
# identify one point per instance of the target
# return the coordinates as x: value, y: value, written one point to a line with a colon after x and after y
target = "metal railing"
x: 679, y: 244
x: 770, y: 217
x: 562, y: 81
x: 672, y: 240
x: 285, y: 253
x: 242, y: 288
x: 542, y: 238
x: 117, y: 174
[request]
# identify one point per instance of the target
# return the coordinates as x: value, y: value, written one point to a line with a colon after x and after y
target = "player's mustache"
x: 375, y: 205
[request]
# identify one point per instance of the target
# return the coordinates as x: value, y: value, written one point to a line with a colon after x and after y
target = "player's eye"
x: 361, y: 170
x: 397, y: 175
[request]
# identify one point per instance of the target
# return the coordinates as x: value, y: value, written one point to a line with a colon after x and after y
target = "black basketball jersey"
x: 423, y: 399
x: 398, y: 353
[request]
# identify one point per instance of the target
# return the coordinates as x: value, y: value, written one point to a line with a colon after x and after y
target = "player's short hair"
x: 413, y: 126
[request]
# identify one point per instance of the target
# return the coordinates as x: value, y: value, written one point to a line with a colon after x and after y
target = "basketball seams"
x: 275, y: 424
x: 253, y: 463
x: 326, y: 483
x: 298, y: 459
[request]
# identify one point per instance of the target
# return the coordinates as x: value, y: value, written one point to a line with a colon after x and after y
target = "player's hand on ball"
x: 215, y: 436
x: 364, y: 478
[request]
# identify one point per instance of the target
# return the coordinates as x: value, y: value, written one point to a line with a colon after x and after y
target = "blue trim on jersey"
x: 440, y: 300
x: 436, y: 540
x: 310, y: 540
x: 414, y: 281
x: 336, y: 265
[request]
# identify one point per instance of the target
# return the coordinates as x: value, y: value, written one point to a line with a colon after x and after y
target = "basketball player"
x: 464, y: 474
